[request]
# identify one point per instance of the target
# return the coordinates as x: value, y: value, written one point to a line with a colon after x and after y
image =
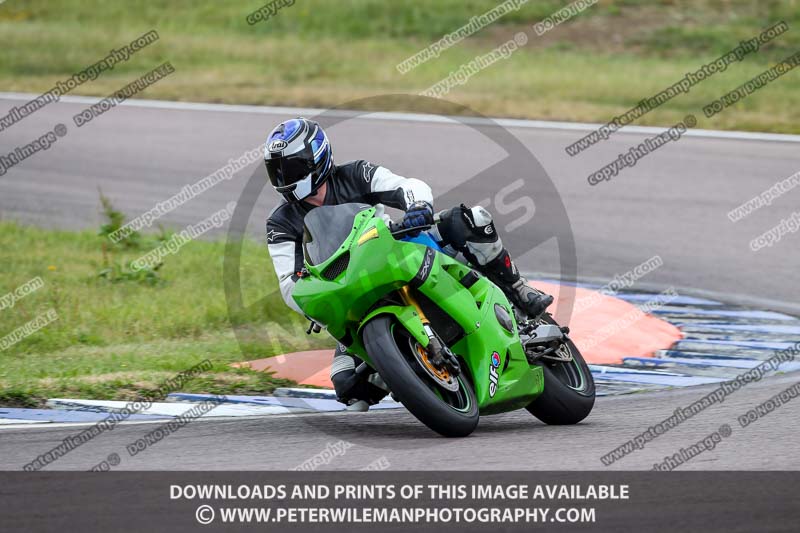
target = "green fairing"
x: 380, y: 266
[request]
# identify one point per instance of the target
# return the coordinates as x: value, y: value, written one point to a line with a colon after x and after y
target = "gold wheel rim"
x: 440, y: 373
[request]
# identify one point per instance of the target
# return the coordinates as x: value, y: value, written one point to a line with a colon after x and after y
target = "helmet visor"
x: 285, y: 172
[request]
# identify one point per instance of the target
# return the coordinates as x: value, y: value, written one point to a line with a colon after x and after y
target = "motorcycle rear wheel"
x: 569, y: 391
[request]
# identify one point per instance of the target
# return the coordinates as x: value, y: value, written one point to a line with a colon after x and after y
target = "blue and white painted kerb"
x: 721, y: 341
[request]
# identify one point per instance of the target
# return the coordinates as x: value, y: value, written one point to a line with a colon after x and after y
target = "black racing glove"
x: 418, y: 214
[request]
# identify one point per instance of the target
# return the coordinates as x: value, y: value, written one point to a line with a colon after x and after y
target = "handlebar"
x: 397, y: 230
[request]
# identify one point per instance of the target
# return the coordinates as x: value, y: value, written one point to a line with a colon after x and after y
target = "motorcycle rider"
x: 300, y: 166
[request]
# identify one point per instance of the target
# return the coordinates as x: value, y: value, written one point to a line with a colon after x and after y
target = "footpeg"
x: 546, y: 342
x: 558, y: 355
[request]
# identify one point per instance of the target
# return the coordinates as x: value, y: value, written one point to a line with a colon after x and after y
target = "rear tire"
x: 564, y: 400
x: 383, y: 339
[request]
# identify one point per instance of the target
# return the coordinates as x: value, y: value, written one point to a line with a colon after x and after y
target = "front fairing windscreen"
x: 326, y: 228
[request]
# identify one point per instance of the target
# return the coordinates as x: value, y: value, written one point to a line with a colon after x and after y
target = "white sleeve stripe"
x: 384, y: 180
x: 287, y: 286
x: 282, y: 255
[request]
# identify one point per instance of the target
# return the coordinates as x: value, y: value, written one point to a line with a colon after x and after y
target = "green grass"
x: 322, y: 53
x: 116, y: 339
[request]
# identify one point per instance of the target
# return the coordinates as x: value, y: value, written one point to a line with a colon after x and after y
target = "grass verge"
x: 117, y: 336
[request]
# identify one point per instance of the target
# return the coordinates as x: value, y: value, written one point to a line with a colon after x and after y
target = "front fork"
x: 440, y: 354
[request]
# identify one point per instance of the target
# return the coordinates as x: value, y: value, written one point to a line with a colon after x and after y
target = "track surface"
x: 512, y: 441
x: 672, y: 203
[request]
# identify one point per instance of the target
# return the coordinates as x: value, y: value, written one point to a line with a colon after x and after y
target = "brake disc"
x: 440, y: 375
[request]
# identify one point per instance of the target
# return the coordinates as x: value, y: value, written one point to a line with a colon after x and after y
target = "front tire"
x: 569, y: 392
x: 451, y: 414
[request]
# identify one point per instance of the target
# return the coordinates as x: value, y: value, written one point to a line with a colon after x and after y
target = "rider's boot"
x: 504, y: 273
x: 356, y: 391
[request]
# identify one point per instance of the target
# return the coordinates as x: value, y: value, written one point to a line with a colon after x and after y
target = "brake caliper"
x: 440, y: 354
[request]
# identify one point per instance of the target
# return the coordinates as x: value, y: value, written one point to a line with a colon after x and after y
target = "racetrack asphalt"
x: 511, y: 441
x: 672, y: 203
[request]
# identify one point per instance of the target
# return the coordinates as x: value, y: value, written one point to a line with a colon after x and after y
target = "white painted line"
x: 412, y: 117
x: 46, y: 424
x: 288, y: 392
x: 22, y: 424
x: 611, y: 370
x: 299, y: 392
x: 10, y: 421
x: 172, y: 408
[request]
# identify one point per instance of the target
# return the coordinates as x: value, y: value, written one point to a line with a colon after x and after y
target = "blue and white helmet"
x: 299, y: 158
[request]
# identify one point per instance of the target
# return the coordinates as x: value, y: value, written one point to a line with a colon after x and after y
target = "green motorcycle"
x: 444, y: 339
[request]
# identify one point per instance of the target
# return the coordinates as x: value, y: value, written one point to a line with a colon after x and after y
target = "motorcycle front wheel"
x: 451, y: 413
